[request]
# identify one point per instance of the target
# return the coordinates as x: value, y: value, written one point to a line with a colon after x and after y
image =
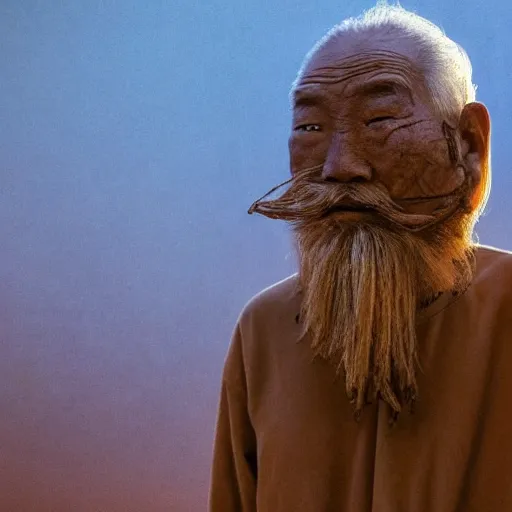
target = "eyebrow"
x: 301, y: 98
x: 379, y: 89
x: 373, y: 89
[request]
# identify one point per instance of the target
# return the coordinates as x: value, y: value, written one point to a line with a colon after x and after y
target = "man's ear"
x: 475, y: 132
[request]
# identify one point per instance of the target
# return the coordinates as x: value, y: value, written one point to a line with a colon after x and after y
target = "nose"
x: 343, y: 165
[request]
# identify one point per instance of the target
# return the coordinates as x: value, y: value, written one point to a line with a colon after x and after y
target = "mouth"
x: 350, y: 209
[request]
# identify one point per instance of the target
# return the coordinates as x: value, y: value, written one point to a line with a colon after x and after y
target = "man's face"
x: 364, y: 115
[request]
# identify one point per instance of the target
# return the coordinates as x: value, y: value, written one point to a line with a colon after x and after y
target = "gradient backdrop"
x: 134, y: 136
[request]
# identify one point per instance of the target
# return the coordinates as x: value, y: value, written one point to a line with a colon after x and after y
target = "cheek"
x: 306, y: 151
x: 418, y: 165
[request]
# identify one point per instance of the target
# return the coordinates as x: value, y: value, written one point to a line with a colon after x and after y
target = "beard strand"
x: 362, y: 287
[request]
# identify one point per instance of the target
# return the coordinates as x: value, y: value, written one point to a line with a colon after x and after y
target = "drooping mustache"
x: 310, y: 198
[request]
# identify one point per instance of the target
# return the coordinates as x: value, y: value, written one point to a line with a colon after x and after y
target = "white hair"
x: 445, y: 65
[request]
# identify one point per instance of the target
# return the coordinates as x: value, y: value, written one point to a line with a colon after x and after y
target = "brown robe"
x: 286, y: 440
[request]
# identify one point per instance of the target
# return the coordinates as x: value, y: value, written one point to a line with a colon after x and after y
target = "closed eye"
x: 309, y: 128
x: 379, y: 119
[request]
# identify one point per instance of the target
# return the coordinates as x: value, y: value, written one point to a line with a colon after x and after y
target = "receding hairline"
x: 443, y: 65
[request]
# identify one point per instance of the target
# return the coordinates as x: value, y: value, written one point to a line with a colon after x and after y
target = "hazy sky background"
x: 134, y: 136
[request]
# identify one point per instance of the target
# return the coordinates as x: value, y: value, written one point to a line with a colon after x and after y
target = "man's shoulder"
x: 277, y: 299
x: 267, y: 319
x: 493, y: 262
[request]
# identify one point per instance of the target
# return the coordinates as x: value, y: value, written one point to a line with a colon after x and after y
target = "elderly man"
x: 380, y: 377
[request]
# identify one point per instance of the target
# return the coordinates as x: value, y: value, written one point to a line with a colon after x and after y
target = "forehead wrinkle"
x: 333, y: 75
x: 347, y: 68
x: 355, y: 59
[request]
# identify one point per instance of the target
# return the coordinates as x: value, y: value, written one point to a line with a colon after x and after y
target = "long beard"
x: 363, y: 285
x: 364, y: 282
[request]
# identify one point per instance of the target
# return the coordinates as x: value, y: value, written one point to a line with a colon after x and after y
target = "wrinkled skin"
x: 367, y: 117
